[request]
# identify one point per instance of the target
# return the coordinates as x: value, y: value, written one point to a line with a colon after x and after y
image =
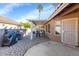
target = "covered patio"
x: 53, y: 42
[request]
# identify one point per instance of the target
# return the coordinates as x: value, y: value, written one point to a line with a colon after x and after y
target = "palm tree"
x: 40, y: 9
x: 55, y: 5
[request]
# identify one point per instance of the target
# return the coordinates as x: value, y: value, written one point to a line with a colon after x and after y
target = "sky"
x: 24, y: 11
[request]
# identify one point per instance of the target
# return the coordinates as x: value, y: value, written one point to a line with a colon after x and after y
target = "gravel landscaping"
x: 21, y: 47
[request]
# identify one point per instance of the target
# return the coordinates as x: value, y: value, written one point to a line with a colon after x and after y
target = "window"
x: 49, y: 28
x: 46, y: 28
x: 58, y: 28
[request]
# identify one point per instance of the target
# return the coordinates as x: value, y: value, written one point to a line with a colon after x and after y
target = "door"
x: 70, y: 31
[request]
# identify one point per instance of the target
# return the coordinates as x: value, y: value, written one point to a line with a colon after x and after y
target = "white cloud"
x: 48, y: 10
x: 8, y: 8
x: 31, y: 15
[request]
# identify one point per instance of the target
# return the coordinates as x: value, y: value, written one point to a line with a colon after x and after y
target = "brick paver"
x: 21, y: 47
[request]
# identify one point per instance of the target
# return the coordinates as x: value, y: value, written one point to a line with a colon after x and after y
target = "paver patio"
x: 38, y: 47
x: 51, y: 48
x: 21, y: 47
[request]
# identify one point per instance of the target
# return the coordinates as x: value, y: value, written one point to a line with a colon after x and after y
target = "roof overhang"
x: 63, y: 10
x: 59, y: 9
x: 7, y: 21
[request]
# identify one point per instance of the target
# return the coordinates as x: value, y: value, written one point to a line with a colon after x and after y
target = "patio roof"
x: 38, y: 22
x: 7, y: 21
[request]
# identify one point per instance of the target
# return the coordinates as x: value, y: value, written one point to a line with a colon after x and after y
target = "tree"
x: 26, y: 25
x: 40, y: 9
x: 55, y: 4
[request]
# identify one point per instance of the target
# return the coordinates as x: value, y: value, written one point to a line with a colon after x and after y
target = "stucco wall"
x: 73, y: 15
x: 51, y: 35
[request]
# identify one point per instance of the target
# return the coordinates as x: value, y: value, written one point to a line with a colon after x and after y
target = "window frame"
x: 55, y: 28
x: 48, y: 28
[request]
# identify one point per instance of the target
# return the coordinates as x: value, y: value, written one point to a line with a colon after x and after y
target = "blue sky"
x: 23, y: 11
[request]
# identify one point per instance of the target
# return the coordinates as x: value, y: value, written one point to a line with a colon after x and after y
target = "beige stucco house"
x: 8, y: 23
x: 63, y: 24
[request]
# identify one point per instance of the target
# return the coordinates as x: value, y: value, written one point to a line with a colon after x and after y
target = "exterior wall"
x: 8, y: 26
x: 73, y: 15
x: 78, y: 31
x: 1, y: 25
x: 54, y: 37
x: 52, y: 34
